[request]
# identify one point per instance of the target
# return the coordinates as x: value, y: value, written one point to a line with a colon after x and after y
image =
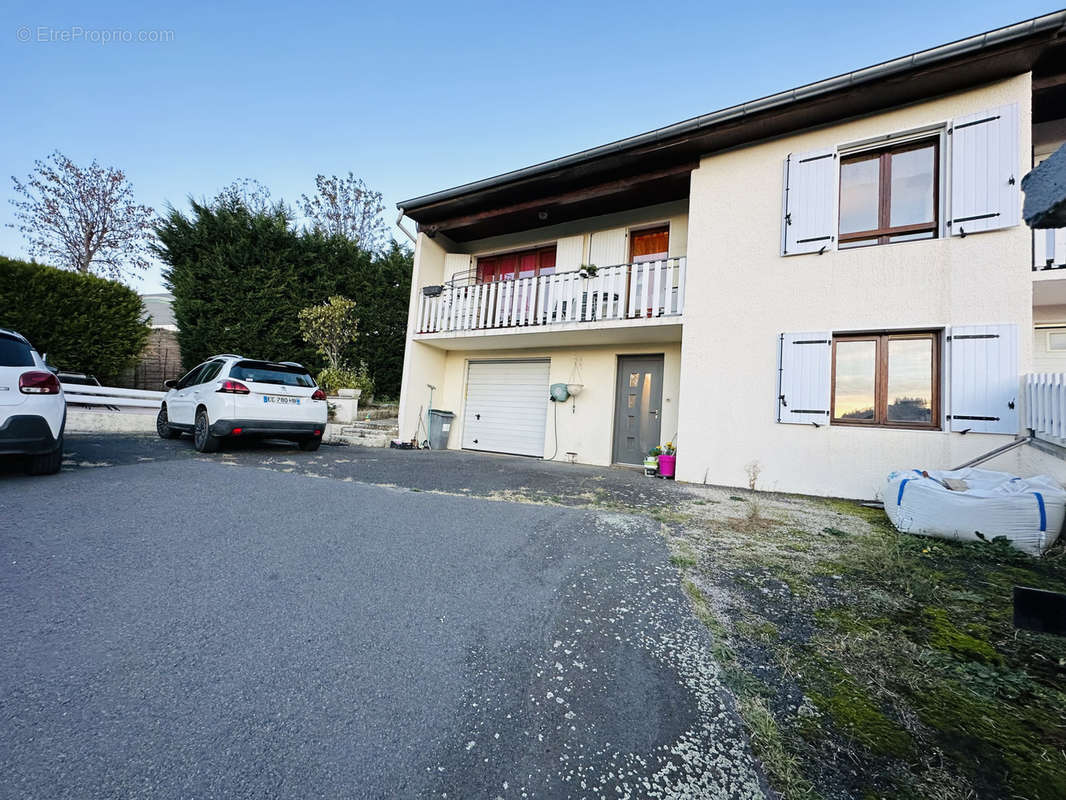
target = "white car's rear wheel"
x: 46, y: 463
x: 202, y: 437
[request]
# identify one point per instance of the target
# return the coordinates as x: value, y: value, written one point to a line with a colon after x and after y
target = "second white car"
x: 229, y: 396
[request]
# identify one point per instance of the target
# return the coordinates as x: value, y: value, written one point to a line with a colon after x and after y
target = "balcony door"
x: 638, y: 407
x: 649, y: 244
x: 645, y: 246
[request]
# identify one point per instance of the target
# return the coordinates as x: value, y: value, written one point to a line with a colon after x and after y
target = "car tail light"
x: 233, y: 387
x: 237, y: 431
x: 38, y: 383
x: 318, y: 432
x: 318, y: 394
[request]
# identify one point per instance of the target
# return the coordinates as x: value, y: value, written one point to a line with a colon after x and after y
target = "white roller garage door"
x: 506, y: 406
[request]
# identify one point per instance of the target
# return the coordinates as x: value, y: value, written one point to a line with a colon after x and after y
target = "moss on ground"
x: 943, y: 635
x: 856, y: 714
x: 889, y: 665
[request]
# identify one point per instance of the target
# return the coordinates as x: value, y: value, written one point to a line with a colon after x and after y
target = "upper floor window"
x: 890, y: 195
x: 523, y: 264
x: 650, y: 244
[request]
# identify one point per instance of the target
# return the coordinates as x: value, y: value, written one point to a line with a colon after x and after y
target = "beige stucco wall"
x: 741, y: 294
x: 422, y: 364
x: 586, y: 423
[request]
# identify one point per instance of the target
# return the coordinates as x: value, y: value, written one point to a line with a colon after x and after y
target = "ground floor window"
x: 887, y: 379
x: 1056, y: 340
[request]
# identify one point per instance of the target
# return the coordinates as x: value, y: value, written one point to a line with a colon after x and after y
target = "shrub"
x: 240, y: 278
x: 330, y: 327
x: 84, y: 323
x: 331, y: 379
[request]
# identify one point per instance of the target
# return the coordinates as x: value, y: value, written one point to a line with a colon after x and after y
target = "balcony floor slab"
x: 567, y: 334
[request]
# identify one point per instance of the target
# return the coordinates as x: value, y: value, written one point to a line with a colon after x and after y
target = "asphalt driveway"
x: 269, y: 623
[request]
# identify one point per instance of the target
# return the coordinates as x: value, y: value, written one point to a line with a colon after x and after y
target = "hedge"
x: 84, y: 323
x: 241, y: 277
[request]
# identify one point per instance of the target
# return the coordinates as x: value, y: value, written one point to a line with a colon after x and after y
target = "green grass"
x: 916, y: 683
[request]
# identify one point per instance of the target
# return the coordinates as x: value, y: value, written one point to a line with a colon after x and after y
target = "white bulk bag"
x: 1028, y: 511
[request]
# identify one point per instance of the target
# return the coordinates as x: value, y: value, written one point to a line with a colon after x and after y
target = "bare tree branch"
x: 346, y: 207
x: 83, y: 219
x: 249, y: 193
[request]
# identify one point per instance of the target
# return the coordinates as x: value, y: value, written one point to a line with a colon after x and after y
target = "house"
x: 161, y: 358
x: 833, y: 281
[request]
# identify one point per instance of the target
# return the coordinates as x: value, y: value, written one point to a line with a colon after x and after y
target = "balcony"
x: 1049, y: 267
x: 1049, y: 250
x: 636, y: 297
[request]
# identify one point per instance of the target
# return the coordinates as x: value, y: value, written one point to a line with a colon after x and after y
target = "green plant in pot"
x: 667, y: 460
x: 332, y: 380
x: 588, y: 270
x: 651, y: 461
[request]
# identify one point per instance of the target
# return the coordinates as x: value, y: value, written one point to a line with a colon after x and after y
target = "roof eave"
x: 1048, y: 24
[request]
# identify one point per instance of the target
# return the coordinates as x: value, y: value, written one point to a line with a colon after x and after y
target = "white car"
x: 33, y: 411
x: 233, y: 396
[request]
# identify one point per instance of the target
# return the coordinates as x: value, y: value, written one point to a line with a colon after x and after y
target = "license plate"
x: 285, y: 401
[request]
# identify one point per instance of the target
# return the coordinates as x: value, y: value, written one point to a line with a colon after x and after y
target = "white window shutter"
x: 984, y: 378
x: 984, y: 171
x: 804, y: 364
x: 810, y: 203
x: 569, y: 252
x: 608, y: 248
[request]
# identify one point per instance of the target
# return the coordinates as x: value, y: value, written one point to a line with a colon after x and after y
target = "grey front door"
x: 638, y: 407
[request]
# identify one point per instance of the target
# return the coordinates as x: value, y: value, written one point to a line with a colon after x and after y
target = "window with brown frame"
x: 650, y: 244
x: 887, y: 379
x: 890, y: 195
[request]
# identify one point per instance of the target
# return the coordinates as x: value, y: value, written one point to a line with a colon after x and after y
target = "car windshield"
x: 265, y: 372
x: 14, y: 353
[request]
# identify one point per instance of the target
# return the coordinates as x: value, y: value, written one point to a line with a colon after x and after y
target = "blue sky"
x: 413, y: 97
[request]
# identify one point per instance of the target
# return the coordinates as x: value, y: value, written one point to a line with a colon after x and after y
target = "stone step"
x: 377, y: 424
x: 379, y: 412
x: 361, y: 434
x: 362, y: 430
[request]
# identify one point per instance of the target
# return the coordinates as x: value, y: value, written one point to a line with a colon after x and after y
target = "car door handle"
x: 654, y: 412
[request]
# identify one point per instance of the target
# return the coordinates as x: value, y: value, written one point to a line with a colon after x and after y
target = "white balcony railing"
x: 1049, y: 249
x: 625, y: 292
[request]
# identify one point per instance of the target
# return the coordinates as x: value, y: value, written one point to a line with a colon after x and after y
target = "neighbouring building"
x: 833, y: 281
x: 161, y: 358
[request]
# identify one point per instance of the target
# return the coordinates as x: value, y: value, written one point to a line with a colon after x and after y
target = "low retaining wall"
x: 82, y: 421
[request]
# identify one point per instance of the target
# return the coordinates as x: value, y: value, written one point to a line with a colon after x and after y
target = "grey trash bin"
x: 440, y: 428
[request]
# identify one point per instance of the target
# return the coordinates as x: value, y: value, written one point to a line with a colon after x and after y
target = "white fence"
x: 110, y: 396
x: 625, y: 292
x: 1045, y: 405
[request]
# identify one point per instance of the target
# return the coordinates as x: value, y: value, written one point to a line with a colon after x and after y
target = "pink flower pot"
x: 666, y: 466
